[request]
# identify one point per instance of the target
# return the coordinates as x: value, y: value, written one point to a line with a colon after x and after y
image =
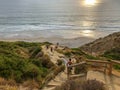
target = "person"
x: 51, y: 49
x: 47, y: 46
x: 56, y: 45
x: 68, y: 64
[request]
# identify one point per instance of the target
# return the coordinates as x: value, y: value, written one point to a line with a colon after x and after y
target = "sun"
x: 90, y: 2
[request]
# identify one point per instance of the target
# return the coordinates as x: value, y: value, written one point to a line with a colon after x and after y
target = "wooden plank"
x: 97, y: 61
x: 77, y: 64
x: 115, y: 62
x: 78, y: 75
x: 100, y: 61
x: 110, y: 68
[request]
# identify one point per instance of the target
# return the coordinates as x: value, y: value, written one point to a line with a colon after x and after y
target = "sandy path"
x: 54, y: 56
x: 61, y: 77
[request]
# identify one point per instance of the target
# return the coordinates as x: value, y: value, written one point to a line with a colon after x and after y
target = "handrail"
x: 115, y: 62
x: 109, y: 64
x: 98, y: 61
x: 73, y: 65
x: 106, y: 62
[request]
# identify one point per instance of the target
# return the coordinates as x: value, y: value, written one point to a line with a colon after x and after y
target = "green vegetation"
x: 117, y: 67
x: 69, y: 52
x: 113, y: 54
x: 79, y: 52
x: 22, y: 61
x: 91, y: 57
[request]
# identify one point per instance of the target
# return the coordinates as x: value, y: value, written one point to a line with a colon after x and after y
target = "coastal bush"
x: 59, y: 69
x: 117, y: 67
x: 113, y: 54
x: 26, y: 44
x: 31, y: 71
x: 91, y: 57
x: 59, y: 62
x: 80, y: 69
x: 47, y: 43
x: 45, y: 61
x: 93, y: 85
x: 81, y: 85
x: 35, y: 52
x: 77, y: 51
x: 18, y: 62
x: 68, y: 54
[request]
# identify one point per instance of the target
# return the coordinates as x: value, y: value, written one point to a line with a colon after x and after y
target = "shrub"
x: 59, y: 69
x: 116, y: 67
x: 113, y: 54
x: 31, y: 71
x: 14, y: 66
x: 45, y: 61
x: 68, y: 54
x: 81, y: 85
x: 93, y: 85
x: 35, y: 52
x: 80, y: 69
x: 77, y: 51
x: 47, y: 43
x: 59, y: 62
x: 91, y: 57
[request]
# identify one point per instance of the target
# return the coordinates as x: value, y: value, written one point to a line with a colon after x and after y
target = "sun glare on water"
x: 90, y: 2
x: 88, y: 33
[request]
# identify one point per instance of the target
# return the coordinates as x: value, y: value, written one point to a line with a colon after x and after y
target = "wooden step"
x: 78, y: 75
x: 48, y: 88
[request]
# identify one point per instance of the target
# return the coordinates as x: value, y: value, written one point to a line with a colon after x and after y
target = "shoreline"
x: 69, y: 42
x: 72, y: 39
x: 72, y: 42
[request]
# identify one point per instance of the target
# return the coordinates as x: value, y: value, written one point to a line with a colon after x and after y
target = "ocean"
x: 58, y: 18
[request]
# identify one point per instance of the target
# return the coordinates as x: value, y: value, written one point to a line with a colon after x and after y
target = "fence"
x: 107, y: 65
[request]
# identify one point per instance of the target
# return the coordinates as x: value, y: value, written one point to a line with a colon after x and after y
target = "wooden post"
x: 73, y: 65
x: 110, y: 68
x: 105, y: 68
x: 67, y: 72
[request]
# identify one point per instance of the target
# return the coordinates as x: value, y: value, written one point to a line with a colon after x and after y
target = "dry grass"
x: 31, y: 84
x: 8, y: 84
x: 59, y: 69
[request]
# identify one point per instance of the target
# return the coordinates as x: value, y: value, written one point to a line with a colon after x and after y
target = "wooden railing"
x: 107, y: 65
x: 73, y: 65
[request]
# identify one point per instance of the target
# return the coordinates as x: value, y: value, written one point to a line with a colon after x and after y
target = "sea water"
x: 58, y: 18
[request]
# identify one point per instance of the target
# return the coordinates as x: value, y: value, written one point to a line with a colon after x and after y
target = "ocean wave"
x: 12, y: 28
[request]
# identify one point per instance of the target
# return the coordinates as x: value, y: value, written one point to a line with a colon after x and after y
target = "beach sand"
x: 72, y: 42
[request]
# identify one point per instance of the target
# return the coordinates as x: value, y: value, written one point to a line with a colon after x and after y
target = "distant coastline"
x: 74, y: 42
x: 70, y: 42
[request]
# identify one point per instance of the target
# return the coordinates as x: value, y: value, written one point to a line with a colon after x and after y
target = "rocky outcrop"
x: 102, y: 45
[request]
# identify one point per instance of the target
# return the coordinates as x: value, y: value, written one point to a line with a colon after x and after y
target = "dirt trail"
x: 61, y: 77
x: 54, y: 55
